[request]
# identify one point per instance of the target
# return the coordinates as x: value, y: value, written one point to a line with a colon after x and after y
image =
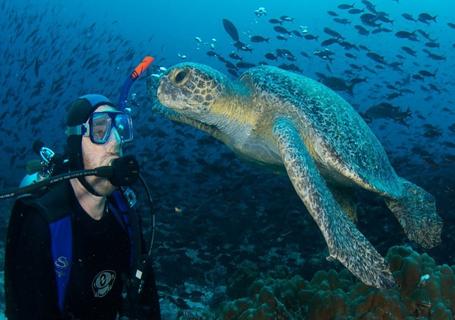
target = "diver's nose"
x: 114, y: 138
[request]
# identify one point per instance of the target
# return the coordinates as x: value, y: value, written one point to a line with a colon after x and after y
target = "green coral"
x: 424, y: 291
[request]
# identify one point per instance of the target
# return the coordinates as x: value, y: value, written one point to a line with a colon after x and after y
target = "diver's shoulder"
x: 54, y: 202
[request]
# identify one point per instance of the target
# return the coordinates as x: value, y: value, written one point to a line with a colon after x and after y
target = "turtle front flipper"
x: 345, y: 242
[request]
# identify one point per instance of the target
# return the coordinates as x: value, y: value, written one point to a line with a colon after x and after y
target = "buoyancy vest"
x: 57, y: 206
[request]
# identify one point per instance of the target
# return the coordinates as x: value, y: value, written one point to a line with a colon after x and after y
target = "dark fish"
x: 386, y: 110
x: 432, y: 44
x: 376, y: 57
x: 311, y: 37
x: 350, y: 55
x: 332, y: 13
x: 306, y: 55
x: 449, y: 144
x: 270, y: 56
x: 325, y: 54
x: 383, y: 16
x: 297, y: 33
x: 450, y: 24
x: 362, y: 31
x: 408, y: 16
x: 431, y: 131
x: 284, y: 53
x: 329, y: 42
x: 434, y: 56
x: 333, y: 33
x: 358, y: 80
x: 259, y: 39
x: 369, y: 69
x: 381, y: 29
x: 235, y: 56
x: 409, y: 51
x: 347, y: 45
x: 39, y: 85
x: 211, y: 53
x: 281, y: 37
x: 230, y: 65
x: 355, y: 11
x: 231, y: 30
x: 342, y: 20
x: 424, y: 34
x: 394, y: 95
x: 434, y: 88
x: 406, y: 35
x: 344, y: 6
x: 275, y: 21
x: 281, y: 29
x: 396, y: 65
x: 233, y: 72
x: 222, y: 59
x: 290, y: 58
x: 290, y: 67
x: 242, y: 46
x: 449, y: 158
x: 371, y: 7
x: 244, y: 65
x: 355, y: 67
x: 425, y: 17
x: 369, y: 20
x: 336, y: 83
x: 425, y: 73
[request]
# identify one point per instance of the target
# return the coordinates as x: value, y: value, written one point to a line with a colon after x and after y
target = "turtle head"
x: 190, y: 89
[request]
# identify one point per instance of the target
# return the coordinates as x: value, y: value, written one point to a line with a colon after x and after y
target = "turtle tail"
x: 416, y: 212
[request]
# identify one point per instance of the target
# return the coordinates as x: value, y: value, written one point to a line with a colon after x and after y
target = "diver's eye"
x: 180, y: 76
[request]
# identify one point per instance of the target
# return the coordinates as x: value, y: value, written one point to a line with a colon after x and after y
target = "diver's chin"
x: 105, y: 188
x: 102, y: 186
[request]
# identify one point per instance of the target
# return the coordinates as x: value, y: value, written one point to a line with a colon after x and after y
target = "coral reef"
x: 424, y: 291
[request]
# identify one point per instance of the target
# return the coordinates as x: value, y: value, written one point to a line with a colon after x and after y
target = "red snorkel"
x: 141, y: 67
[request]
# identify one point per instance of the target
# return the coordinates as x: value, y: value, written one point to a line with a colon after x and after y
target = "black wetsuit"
x: 100, y: 262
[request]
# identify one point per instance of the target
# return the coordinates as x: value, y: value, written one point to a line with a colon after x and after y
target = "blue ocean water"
x: 54, y: 51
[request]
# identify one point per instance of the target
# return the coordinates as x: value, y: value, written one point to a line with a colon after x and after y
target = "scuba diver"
x: 75, y: 248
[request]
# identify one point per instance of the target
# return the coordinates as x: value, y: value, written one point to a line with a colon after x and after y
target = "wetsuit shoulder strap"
x: 125, y: 212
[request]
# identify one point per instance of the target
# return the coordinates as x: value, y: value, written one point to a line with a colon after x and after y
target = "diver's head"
x: 96, y: 131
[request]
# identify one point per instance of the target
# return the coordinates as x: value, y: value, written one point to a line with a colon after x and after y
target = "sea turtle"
x: 279, y: 118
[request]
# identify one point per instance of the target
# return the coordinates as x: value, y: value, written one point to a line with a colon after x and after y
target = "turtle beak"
x: 166, y: 91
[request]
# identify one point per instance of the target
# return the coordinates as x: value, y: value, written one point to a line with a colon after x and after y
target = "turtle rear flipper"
x: 346, y: 243
x: 416, y: 212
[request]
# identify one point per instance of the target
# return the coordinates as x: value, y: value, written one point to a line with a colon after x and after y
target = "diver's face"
x: 98, y: 155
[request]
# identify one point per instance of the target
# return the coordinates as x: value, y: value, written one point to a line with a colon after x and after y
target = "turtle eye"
x: 181, y: 77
